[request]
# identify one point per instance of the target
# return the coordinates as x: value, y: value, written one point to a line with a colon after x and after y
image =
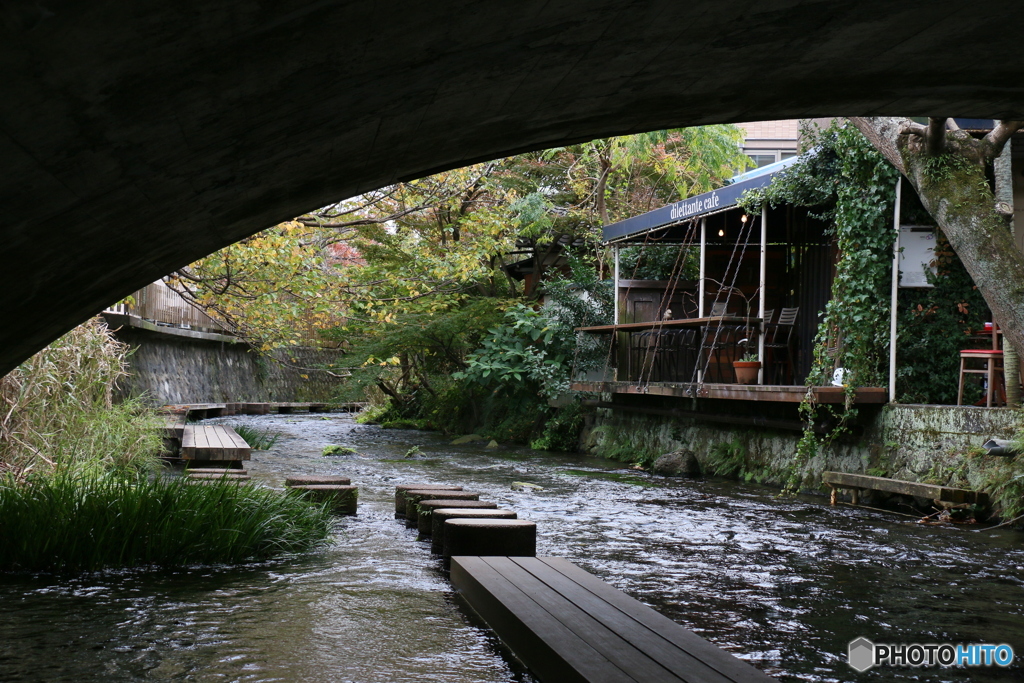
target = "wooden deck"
x: 213, y: 442
x: 738, y: 392
x: 568, y: 626
x: 945, y: 494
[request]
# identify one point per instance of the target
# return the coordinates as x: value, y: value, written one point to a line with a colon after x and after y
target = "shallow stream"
x: 783, y: 583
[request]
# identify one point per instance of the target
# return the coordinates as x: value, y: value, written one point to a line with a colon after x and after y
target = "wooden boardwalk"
x: 213, y: 442
x: 945, y: 494
x: 568, y: 626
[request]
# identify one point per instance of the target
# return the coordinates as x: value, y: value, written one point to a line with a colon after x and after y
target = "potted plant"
x: 746, y: 369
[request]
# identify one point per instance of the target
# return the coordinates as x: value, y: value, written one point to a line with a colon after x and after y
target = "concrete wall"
x: 937, y: 444
x: 203, y: 368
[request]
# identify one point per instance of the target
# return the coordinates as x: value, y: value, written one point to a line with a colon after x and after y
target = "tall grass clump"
x: 73, y: 522
x: 258, y: 440
x: 57, y: 410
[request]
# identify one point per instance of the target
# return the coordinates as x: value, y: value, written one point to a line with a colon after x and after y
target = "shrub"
x: 89, y: 522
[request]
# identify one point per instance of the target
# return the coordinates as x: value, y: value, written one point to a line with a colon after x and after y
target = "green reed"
x: 89, y: 522
x: 258, y: 440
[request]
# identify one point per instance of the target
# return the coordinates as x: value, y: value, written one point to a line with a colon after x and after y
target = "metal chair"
x: 778, y: 337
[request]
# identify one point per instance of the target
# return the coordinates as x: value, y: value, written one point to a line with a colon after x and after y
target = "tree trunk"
x: 1003, y: 173
x: 955, y: 191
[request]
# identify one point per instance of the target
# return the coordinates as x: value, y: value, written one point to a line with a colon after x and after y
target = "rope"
x: 749, y: 227
x: 677, y: 267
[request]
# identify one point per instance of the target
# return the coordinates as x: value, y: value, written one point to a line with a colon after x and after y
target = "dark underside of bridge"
x: 137, y: 136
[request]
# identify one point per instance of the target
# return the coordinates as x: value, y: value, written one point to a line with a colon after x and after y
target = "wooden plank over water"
x: 739, y: 392
x: 569, y: 626
x: 946, y: 494
x: 213, y: 442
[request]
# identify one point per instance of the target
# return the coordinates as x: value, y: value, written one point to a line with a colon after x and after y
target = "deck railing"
x: 160, y: 304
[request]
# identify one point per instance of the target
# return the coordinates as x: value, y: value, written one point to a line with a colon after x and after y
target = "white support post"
x: 895, y: 290
x: 700, y: 287
x: 615, y: 289
x: 761, y: 292
x: 700, y: 281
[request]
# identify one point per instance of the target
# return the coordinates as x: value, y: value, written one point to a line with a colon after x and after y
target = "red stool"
x: 992, y: 368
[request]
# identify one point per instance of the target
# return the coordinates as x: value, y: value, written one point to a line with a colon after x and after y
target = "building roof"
x: 716, y: 201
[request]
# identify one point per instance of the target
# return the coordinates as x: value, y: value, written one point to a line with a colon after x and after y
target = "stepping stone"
x: 232, y: 476
x: 402, y: 488
x: 307, y: 479
x: 343, y: 499
x: 481, y: 537
x: 215, y: 470
x: 427, y: 507
x: 441, y: 515
x: 412, y: 499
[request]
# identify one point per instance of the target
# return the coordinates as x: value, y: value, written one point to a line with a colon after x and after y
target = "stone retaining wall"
x: 937, y: 444
x: 169, y: 368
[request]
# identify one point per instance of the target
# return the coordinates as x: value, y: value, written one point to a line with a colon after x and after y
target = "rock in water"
x: 469, y: 438
x: 681, y: 463
x: 493, y: 444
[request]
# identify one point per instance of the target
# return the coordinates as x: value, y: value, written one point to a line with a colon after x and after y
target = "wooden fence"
x: 160, y: 304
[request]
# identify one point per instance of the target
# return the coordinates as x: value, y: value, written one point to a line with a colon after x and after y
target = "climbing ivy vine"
x: 845, y: 181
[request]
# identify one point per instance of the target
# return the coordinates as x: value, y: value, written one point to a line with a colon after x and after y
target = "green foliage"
x: 636, y: 447
x: 933, y: 327
x: 562, y: 430
x: 259, y: 440
x: 659, y: 262
x: 87, y: 522
x: 58, y: 411
x: 727, y: 459
x: 336, y: 449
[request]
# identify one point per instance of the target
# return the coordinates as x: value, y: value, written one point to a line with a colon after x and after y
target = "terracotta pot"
x: 746, y: 371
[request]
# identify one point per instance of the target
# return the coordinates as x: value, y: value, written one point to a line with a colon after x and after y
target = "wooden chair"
x: 778, y: 340
x: 991, y: 368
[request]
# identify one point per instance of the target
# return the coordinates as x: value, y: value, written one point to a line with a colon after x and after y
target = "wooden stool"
x: 992, y: 369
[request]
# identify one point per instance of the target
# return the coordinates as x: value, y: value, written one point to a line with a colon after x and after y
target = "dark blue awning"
x: 701, y: 205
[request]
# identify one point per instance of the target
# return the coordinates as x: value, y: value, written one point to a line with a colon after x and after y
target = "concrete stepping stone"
x: 428, y: 505
x: 402, y: 488
x: 343, y: 499
x: 306, y: 479
x: 441, y: 515
x: 232, y: 476
x: 479, y: 536
x: 412, y: 499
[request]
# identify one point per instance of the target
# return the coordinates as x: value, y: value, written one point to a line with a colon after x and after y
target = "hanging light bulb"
x: 721, y: 233
x: 743, y: 219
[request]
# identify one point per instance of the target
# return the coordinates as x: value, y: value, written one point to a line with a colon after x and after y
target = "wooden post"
x: 894, y: 292
x: 615, y: 254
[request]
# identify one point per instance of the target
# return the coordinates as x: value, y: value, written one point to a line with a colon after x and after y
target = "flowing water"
x: 782, y: 583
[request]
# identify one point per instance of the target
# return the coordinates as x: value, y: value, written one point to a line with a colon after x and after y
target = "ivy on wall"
x: 852, y: 186
x: 934, y: 324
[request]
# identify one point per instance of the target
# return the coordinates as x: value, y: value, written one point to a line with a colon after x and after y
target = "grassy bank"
x: 87, y: 522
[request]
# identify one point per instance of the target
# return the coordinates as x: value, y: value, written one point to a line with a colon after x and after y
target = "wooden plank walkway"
x: 213, y: 442
x: 568, y: 626
x: 945, y: 494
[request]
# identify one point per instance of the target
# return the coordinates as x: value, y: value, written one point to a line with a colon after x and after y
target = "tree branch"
x: 993, y: 143
x: 935, y: 142
x: 882, y: 133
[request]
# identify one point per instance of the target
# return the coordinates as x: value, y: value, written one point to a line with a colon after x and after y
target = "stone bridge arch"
x: 138, y: 136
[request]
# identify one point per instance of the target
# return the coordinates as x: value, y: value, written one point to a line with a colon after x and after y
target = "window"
x: 762, y: 159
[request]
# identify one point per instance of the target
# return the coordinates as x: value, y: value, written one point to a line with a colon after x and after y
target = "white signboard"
x: 917, y: 251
